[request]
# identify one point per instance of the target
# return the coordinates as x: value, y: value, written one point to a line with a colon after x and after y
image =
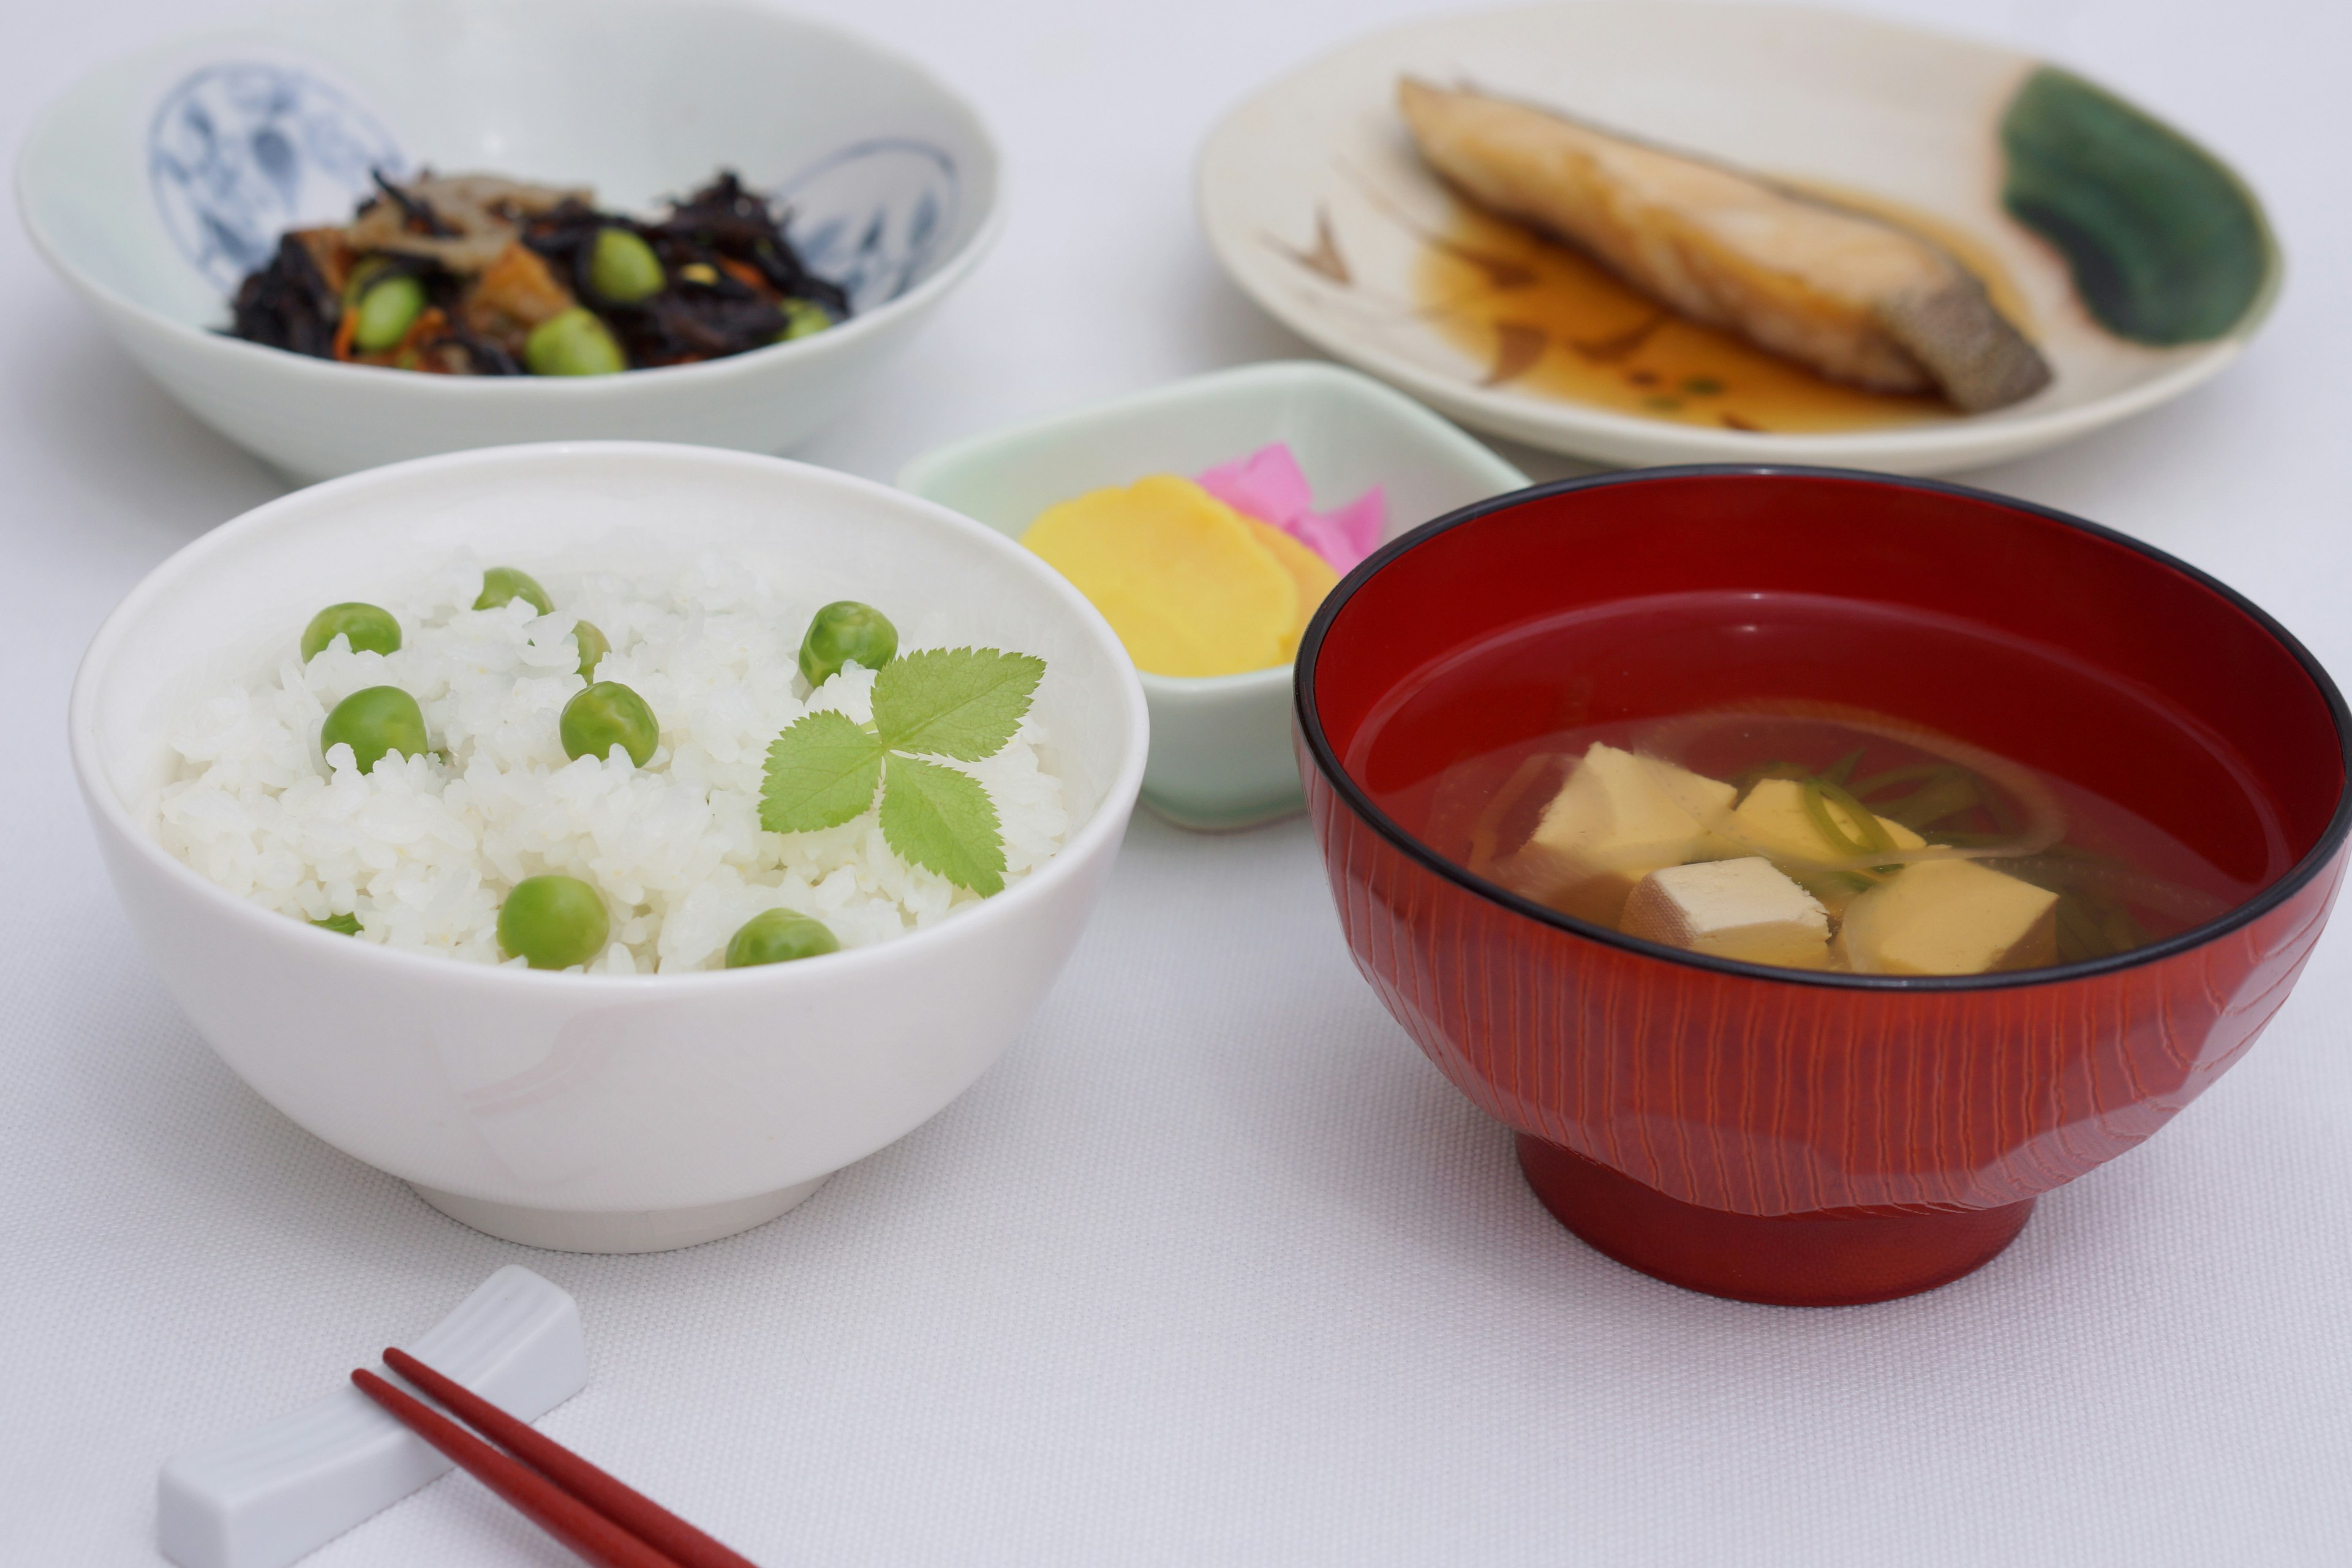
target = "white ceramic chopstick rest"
x: 267, y: 1497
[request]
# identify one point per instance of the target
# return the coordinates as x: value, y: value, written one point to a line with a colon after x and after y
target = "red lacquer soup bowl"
x: 1813, y: 1137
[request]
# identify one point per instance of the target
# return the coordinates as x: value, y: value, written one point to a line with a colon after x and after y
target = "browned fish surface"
x: 1849, y: 295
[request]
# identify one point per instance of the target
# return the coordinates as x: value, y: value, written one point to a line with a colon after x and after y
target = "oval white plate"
x: 1317, y: 205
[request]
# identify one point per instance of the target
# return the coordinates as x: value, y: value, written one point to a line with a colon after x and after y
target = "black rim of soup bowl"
x: 1319, y: 745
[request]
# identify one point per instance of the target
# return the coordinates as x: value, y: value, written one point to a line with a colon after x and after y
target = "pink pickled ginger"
x: 1269, y: 487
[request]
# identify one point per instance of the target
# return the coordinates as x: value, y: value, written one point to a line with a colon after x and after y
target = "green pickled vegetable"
x: 779, y: 936
x: 2165, y: 246
x: 553, y: 922
x: 370, y: 629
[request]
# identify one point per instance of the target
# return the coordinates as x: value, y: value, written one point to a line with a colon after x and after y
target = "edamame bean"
x: 801, y: 319
x: 553, y: 922
x: 386, y: 311
x: 842, y: 631
x: 573, y: 343
x: 606, y: 715
x: 502, y: 583
x: 779, y: 936
x: 623, y: 267
x: 593, y: 647
x: 369, y: 629
x: 365, y: 273
x: 373, y: 723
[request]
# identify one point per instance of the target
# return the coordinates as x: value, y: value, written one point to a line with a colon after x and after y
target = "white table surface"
x: 1212, y: 1268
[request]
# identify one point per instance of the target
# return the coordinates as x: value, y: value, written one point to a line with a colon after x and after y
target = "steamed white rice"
x: 424, y: 850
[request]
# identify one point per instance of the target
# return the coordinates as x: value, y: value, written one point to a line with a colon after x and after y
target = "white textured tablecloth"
x: 1214, y: 1267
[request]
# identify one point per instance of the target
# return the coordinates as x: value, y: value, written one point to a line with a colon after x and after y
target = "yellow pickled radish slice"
x: 1179, y: 576
x: 1309, y: 571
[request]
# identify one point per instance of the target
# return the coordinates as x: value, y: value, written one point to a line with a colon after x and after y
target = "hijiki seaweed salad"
x: 480, y: 275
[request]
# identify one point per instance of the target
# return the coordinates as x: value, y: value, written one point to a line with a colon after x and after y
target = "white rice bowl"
x: 424, y: 850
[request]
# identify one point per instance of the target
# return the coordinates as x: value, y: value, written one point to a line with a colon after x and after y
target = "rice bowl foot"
x: 623, y: 1231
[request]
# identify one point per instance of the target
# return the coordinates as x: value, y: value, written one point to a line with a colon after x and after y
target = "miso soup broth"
x: 1787, y: 822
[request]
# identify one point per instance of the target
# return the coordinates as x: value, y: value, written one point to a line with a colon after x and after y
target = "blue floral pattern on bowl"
x: 874, y: 215
x: 240, y: 151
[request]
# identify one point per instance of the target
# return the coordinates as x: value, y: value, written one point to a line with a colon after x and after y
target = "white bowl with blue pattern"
x: 159, y: 181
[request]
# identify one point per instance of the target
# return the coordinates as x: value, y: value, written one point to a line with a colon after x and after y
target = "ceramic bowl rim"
x: 1345, y: 378
x: 945, y: 278
x: 1099, y: 835
x: 1355, y: 798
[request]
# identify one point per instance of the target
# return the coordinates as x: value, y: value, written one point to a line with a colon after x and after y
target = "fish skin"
x: 1849, y: 295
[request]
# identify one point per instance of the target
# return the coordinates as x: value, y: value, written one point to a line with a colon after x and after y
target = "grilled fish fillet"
x: 1849, y: 295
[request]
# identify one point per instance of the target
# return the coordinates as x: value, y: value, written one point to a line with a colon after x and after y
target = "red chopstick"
x: 554, y: 1511
x: 631, y: 1510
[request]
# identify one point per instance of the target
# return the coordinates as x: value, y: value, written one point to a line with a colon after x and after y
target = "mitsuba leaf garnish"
x: 822, y: 773
x: 959, y: 702
x: 962, y: 704
x: 939, y: 818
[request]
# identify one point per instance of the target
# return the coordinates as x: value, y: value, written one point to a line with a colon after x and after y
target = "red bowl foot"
x: 1829, y: 1258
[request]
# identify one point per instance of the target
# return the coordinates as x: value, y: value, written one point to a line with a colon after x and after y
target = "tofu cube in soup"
x: 1740, y: 908
x: 1950, y: 917
x: 1617, y: 818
